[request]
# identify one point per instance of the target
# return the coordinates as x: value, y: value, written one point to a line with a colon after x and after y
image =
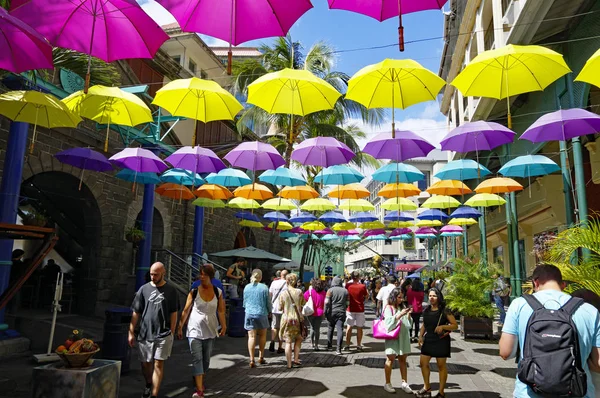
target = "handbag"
x: 309, y: 307
x: 438, y: 324
x: 380, y: 331
x: 303, y: 327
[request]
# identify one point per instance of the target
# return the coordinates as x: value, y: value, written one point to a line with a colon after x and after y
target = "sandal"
x: 296, y: 364
x: 423, y: 393
x: 262, y: 361
x: 439, y: 395
x: 252, y: 364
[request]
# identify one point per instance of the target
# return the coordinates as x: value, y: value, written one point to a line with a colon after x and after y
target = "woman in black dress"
x: 434, y: 340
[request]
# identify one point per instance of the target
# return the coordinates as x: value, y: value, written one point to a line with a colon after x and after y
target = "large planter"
x: 479, y: 327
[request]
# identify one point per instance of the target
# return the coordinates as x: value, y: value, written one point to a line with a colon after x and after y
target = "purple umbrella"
x: 21, y: 47
x: 107, y: 29
x: 298, y: 230
x: 405, y: 145
x: 563, y: 125
x: 140, y: 160
x: 426, y: 230
x: 196, y: 159
x: 84, y: 159
x: 400, y: 231
x: 373, y: 232
x: 477, y: 136
x: 451, y: 228
x: 322, y: 151
x: 348, y: 232
x: 255, y: 156
x: 326, y: 231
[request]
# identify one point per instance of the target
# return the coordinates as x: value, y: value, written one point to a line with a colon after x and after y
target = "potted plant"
x: 468, y: 295
x: 34, y: 218
x: 134, y: 235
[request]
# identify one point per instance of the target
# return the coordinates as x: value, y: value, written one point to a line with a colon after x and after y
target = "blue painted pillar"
x: 10, y: 189
x: 198, y: 234
x: 144, y: 253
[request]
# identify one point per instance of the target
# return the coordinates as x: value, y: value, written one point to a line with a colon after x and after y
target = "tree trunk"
x: 288, y: 154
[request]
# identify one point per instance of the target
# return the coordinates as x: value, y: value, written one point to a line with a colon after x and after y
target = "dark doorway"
x: 244, y: 238
x: 158, y: 228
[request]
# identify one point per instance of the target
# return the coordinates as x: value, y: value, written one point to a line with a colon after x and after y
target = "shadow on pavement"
x: 487, y: 351
x: 469, y: 394
x: 250, y: 385
x: 510, y: 373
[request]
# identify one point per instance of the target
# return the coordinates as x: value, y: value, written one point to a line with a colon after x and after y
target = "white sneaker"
x: 406, y: 388
x: 388, y: 387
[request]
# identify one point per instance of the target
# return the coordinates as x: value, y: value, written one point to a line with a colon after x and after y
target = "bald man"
x: 156, y: 305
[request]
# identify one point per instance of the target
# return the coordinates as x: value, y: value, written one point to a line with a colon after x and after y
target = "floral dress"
x: 290, y: 324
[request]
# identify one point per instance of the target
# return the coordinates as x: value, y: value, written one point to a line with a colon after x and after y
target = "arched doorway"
x: 244, y: 238
x: 75, y: 214
x: 158, y: 228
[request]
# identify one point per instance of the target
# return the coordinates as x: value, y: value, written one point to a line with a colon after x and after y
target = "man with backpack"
x: 556, y: 335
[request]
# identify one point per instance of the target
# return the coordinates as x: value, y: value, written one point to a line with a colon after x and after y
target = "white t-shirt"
x: 203, y: 323
x: 277, y: 287
x: 384, y: 292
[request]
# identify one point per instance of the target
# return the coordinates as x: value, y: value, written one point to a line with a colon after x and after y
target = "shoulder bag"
x: 309, y: 307
x: 446, y: 334
x: 380, y: 331
x: 303, y: 327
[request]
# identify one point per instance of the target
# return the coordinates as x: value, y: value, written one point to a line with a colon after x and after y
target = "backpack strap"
x: 533, y: 302
x: 572, y: 305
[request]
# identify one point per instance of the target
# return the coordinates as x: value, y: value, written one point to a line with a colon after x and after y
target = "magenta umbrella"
x: 400, y: 231
x: 326, y: 231
x: 196, y: 159
x: 21, y: 47
x: 451, y: 228
x: 404, y: 145
x: 139, y: 160
x: 237, y: 21
x: 298, y: 230
x: 385, y: 9
x: 348, y: 232
x: 426, y: 230
x: 322, y: 151
x: 255, y: 156
x: 107, y: 29
x: 373, y: 232
x: 563, y: 125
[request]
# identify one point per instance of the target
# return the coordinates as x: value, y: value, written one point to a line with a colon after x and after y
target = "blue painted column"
x: 198, y: 234
x: 10, y: 189
x: 144, y: 253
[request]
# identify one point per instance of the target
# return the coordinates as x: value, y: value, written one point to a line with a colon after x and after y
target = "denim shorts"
x: 256, y: 322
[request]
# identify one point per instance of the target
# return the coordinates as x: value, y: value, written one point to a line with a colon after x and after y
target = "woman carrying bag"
x: 315, y: 295
x: 293, y: 329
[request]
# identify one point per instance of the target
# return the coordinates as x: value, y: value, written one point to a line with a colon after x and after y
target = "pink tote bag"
x: 380, y: 331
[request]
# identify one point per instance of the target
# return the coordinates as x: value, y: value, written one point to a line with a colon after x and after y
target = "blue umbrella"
x: 244, y: 215
x: 465, y: 212
x: 351, y: 238
x: 282, y: 176
x: 275, y: 216
x: 329, y: 237
x: 287, y: 234
x: 398, y: 216
x: 363, y: 216
x: 338, y: 175
x: 398, y: 172
x: 529, y: 166
x: 229, y: 178
x: 464, y: 169
x: 302, y: 217
x: 402, y: 237
x: 181, y: 177
x: 332, y: 217
x: 433, y: 214
x: 140, y: 178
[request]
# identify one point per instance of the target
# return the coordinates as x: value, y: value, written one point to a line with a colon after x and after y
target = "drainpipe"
x: 198, y: 234
x: 483, y: 237
x: 10, y: 189
x: 144, y: 253
x: 515, y: 235
x: 445, y: 249
x: 465, y: 240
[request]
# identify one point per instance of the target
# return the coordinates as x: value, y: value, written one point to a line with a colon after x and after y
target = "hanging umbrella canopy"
x: 399, y: 204
x: 402, y: 237
x: 400, y: 231
x: 229, y: 178
x: 182, y: 177
x: 324, y: 231
x: 563, y: 125
x: 349, y: 191
x: 139, y: 178
x: 299, y: 230
x: 356, y: 205
x: 338, y: 175
x: 251, y: 224
x: 400, y: 190
x: 276, y: 216
x: 318, y: 204
x: 299, y: 193
x: 451, y: 234
x: 464, y: 169
x: 372, y: 225
x: 351, y: 238
x: 210, y: 203
x: 398, y: 216
x: 498, y: 185
x: 377, y: 237
x: 398, y: 146
x: 313, y: 226
x: 282, y: 176
x: 465, y: 212
x: 529, y: 166
x: 449, y: 188
x: 287, y: 235
x: 485, y: 200
x: 303, y: 217
x: 21, y: 47
x: 589, y: 73
x: 174, y: 191
x: 332, y: 217
x: 243, y: 203
x: 85, y: 159
x: 477, y: 136
x: 400, y: 224
x: 363, y: 216
x: 398, y: 172
x: 451, y: 228
x: 426, y: 230
x: 432, y: 214
x: 279, y: 226
x: 462, y: 221
x: 373, y: 232
x: 246, y: 215
x: 425, y: 236
x: 343, y: 226
x: 196, y: 159
x: 278, y: 204
x: 253, y: 191
x: 139, y: 160
x: 440, y: 202
x: 428, y: 223
x: 329, y: 237
x: 255, y: 155
x: 349, y: 232
x: 213, y: 191
x: 322, y: 151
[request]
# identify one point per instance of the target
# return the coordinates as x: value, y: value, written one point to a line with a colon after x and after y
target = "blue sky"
x: 346, y: 31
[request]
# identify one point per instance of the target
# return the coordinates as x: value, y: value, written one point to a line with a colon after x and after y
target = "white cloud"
x: 431, y: 111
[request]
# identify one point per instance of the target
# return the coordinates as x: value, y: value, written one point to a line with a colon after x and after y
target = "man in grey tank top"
x: 336, y: 302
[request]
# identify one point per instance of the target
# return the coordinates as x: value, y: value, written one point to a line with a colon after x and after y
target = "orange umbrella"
x: 498, y: 185
x: 449, y: 188
x: 349, y: 191
x: 399, y: 190
x: 213, y: 191
x: 253, y: 191
x: 174, y: 191
x: 302, y: 192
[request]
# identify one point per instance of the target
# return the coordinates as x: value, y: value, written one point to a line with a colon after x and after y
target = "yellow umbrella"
x: 462, y: 221
x: 349, y: 191
x: 278, y: 204
x: 197, y: 99
x: 589, y: 73
x: 243, y: 203
x: 399, y: 190
x: 318, y: 204
x: 313, y: 226
x: 399, y: 204
x: 280, y: 226
x: 499, y: 185
x: 428, y: 223
x: 394, y: 83
x: 356, y: 205
x: 400, y: 224
x: 510, y: 70
x: 213, y: 191
x: 440, y: 202
x: 211, y: 203
x: 449, y: 187
x: 485, y: 200
x: 343, y: 226
x: 251, y: 224
x: 302, y: 192
x: 109, y: 105
x: 372, y: 225
x: 38, y: 109
x: 253, y: 191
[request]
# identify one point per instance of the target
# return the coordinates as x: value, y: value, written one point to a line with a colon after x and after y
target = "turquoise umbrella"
x: 529, y: 166
x: 461, y: 170
x: 398, y: 172
x: 229, y: 178
x: 182, y: 177
x: 338, y: 175
x: 282, y: 176
x: 402, y: 237
x: 377, y: 237
x: 139, y: 178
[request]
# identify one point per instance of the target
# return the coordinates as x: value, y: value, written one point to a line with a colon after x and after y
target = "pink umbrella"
x: 21, y: 47
x: 451, y: 228
x: 426, y: 230
x: 298, y: 230
x: 373, y: 232
x: 400, y: 231
x: 326, y: 231
x: 254, y: 156
x: 385, y: 9
x: 322, y: 151
x: 107, y: 29
x: 349, y: 232
x: 237, y: 21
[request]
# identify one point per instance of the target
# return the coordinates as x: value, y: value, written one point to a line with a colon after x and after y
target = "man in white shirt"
x: 384, y: 293
x: 278, y: 286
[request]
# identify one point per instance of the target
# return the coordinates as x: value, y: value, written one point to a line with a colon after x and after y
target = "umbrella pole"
x: 81, y: 179
x: 507, y: 99
x: 106, y: 139
x: 231, y: 24
x: 88, y: 74
x: 400, y: 27
x: 393, y: 117
x: 37, y: 110
x: 194, y: 135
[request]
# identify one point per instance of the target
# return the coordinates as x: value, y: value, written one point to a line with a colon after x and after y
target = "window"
x: 388, y: 242
x: 498, y: 256
x: 177, y: 58
x: 424, y: 184
x: 203, y: 74
x: 192, y: 66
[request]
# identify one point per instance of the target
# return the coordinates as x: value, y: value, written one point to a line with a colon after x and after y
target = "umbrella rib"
x: 424, y: 85
x: 529, y: 70
x: 478, y: 74
x: 277, y: 96
x: 373, y: 96
x: 77, y: 7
